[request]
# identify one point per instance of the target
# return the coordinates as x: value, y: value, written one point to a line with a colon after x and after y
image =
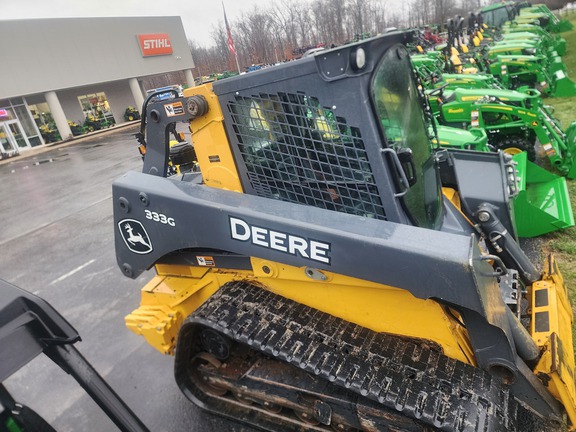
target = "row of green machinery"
x: 526, y: 49
x: 489, y: 98
x: 518, y: 54
x: 499, y: 14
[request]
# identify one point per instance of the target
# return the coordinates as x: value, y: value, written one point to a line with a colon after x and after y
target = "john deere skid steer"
x: 327, y: 270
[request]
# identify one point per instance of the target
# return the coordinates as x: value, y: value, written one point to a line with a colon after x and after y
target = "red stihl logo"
x: 155, y: 44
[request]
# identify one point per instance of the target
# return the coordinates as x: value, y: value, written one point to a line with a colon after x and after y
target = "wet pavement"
x: 56, y: 240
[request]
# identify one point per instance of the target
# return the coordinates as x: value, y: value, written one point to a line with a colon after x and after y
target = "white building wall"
x: 41, y: 55
x: 63, y: 58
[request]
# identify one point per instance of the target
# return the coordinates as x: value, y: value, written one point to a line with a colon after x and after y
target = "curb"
x: 65, y: 143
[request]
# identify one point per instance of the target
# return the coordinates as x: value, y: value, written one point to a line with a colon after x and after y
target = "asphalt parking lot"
x: 56, y: 241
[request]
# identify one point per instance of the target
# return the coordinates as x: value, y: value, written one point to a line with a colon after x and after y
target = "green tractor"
x: 496, y: 15
x: 131, y: 114
x: 451, y: 81
x: 512, y: 120
x: 515, y: 71
x: 521, y: 47
x: 516, y: 64
x: 530, y: 32
x: 509, y: 13
x: 542, y: 16
x: 428, y: 64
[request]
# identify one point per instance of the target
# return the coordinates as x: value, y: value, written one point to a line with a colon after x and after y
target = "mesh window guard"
x: 298, y: 151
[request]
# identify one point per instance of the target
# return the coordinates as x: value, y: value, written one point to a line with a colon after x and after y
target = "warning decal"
x: 174, y: 109
x: 206, y: 261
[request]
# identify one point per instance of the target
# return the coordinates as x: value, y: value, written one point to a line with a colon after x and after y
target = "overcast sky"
x: 198, y: 16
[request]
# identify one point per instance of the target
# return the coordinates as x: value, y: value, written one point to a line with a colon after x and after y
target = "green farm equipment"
x: 512, y: 119
x: 516, y: 71
x: 530, y: 32
x: 522, y: 47
x: 542, y: 204
x: 517, y: 64
x: 525, y: 53
x: 542, y: 16
x: 541, y: 200
x: 510, y: 13
x: 496, y: 15
x: 471, y: 139
x: 131, y: 114
x: 76, y: 128
x: 430, y: 68
x: 93, y: 123
x: 428, y: 64
x: 477, y: 81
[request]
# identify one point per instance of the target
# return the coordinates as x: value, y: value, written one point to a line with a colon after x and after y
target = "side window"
x: 400, y: 113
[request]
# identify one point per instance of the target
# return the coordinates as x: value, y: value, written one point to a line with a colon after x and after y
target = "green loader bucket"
x: 543, y: 203
x: 563, y: 86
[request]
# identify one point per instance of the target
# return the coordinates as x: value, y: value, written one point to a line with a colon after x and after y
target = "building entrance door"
x: 18, y: 135
x: 12, y: 139
x: 7, y: 143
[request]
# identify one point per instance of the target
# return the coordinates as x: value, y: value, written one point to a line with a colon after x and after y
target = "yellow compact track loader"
x: 327, y: 269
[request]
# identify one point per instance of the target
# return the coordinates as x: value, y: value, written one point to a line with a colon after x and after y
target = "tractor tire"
x: 515, y: 145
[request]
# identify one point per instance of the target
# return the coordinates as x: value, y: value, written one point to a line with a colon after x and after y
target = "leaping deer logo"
x: 135, y: 236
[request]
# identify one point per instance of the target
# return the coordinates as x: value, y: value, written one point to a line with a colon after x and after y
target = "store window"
x: 44, y: 122
x: 96, y: 111
x: 7, y: 113
x: 38, y: 111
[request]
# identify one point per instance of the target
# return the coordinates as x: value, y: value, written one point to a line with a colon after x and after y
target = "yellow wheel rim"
x: 513, y: 151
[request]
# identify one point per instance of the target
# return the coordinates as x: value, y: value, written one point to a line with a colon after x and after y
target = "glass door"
x: 18, y: 135
x: 7, y: 142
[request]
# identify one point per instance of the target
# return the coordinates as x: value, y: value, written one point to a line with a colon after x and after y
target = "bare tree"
x: 443, y: 10
x: 254, y: 30
x: 303, y: 23
x: 270, y: 34
x: 284, y: 13
x: 328, y: 16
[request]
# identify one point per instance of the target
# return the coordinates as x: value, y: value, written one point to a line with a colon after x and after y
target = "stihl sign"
x: 155, y: 44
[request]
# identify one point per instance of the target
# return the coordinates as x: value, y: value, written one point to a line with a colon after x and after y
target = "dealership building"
x: 65, y: 76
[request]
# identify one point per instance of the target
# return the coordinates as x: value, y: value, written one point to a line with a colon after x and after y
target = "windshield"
x: 497, y: 17
x: 399, y: 108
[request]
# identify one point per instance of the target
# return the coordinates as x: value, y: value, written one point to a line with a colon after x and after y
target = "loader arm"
x: 560, y: 150
x: 560, y: 147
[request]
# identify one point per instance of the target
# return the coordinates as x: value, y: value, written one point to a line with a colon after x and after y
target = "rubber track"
x: 408, y: 375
